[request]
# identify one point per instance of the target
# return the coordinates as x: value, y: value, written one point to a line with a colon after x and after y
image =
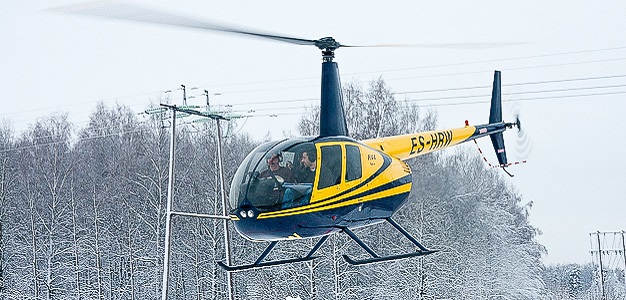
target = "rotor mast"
x: 332, y: 116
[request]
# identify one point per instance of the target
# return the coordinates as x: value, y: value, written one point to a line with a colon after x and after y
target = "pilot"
x: 308, y: 162
x: 282, y: 174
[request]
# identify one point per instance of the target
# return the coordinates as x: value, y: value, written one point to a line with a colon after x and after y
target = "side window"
x: 353, y: 163
x: 330, y: 170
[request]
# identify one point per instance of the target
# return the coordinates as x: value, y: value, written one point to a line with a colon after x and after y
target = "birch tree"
x: 7, y: 190
x: 86, y: 220
x: 47, y: 150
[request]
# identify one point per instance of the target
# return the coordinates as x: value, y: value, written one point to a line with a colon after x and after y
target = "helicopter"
x: 356, y: 183
x: 342, y: 184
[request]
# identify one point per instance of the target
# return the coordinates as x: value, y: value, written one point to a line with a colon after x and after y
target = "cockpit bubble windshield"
x: 275, y: 175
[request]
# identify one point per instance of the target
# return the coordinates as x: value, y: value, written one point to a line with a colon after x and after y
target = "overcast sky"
x: 564, y: 70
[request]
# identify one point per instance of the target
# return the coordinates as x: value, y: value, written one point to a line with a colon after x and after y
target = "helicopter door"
x: 333, y: 161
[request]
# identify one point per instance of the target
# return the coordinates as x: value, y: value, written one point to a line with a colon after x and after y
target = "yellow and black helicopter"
x: 352, y: 183
x: 342, y: 184
x: 355, y: 183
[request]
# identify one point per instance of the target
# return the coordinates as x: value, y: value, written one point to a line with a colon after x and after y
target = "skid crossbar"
x: 260, y: 264
x: 375, y: 257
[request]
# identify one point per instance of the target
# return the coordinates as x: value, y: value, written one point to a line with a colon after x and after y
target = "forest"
x: 82, y: 216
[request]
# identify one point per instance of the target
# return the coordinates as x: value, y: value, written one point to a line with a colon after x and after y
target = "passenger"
x: 308, y: 163
x: 300, y: 193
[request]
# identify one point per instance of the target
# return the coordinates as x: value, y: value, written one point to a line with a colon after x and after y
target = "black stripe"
x: 398, y: 182
x: 386, y: 164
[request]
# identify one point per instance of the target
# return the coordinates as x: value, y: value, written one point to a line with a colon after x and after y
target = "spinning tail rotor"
x: 523, y: 145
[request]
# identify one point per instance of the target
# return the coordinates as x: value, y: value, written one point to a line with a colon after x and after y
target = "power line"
x: 523, y: 93
x: 513, y: 84
x: 280, y: 101
x: 516, y: 100
x: 72, y: 104
x: 444, y: 98
x: 427, y: 76
x: 276, y: 111
x: 487, y: 101
x: 389, y: 70
x: 299, y: 108
x: 284, y: 101
x: 105, y: 128
x: 411, y: 92
x: 503, y: 69
x: 450, y: 103
x: 442, y: 90
x: 76, y: 141
x: 437, y: 66
x: 496, y: 60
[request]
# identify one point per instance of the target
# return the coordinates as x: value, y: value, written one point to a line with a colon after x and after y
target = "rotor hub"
x: 327, y: 44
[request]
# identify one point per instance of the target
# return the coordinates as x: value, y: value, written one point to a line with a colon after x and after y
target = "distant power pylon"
x: 608, y: 255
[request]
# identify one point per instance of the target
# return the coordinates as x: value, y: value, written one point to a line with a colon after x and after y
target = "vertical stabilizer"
x: 495, y: 114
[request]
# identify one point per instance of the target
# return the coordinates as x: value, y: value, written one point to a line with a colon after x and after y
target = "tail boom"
x: 413, y: 145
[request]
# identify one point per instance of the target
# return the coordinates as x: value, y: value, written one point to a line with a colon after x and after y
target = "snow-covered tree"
x: 83, y: 217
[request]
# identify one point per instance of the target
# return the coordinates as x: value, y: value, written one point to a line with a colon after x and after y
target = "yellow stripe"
x: 294, y: 236
x: 416, y: 144
x: 315, y: 208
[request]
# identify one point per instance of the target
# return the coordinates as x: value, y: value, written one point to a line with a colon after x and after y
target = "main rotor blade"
x: 128, y: 12
x: 440, y: 46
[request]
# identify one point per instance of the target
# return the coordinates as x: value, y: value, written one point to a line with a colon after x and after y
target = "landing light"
x: 246, y: 213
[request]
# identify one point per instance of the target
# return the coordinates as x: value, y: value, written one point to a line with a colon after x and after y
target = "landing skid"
x: 375, y: 257
x: 260, y: 264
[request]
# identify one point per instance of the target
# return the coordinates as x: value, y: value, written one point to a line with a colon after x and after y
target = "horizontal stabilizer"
x: 498, y: 145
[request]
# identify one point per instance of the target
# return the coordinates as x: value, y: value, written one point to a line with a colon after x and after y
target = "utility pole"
x: 168, y: 210
x: 607, y: 248
x: 208, y: 105
x: 624, y: 254
x: 229, y: 276
x: 184, y: 94
x: 601, y: 270
x: 169, y: 214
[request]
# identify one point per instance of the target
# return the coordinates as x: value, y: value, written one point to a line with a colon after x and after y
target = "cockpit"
x: 276, y: 175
